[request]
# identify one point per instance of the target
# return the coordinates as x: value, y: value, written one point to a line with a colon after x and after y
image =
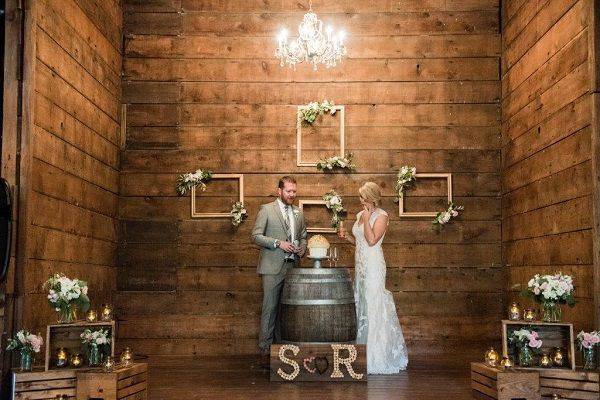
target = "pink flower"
x: 535, y: 343
x: 586, y: 344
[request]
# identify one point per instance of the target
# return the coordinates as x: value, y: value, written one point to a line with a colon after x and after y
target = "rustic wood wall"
x: 546, y: 153
x: 421, y: 86
x: 70, y: 150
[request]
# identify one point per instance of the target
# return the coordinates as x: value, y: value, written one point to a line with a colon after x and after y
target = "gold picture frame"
x: 195, y: 214
x: 301, y: 205
x: 299, y: 162
x: 421, y: 214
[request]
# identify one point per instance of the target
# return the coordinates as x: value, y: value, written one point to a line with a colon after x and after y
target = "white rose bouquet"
x: 95, y: 344
x: 551, y: 290
x: 312, y: 110
x: 333, y: 202
x: 331, y: 163
x: 187, y: 181
x: 65, y: 294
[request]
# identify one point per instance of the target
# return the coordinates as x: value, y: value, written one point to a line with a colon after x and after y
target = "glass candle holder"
x: 62, y: 357
x: 109, y: 364
x: 514, y: 312
x: 506, y: 362
x: 91, y: 316
x: 558, y: 358
x: 529, y: 315
x: 106, y: 313
x: 492, y: 357
x: 126, y: 357
x: 545, y: 360
x: 76, y: 360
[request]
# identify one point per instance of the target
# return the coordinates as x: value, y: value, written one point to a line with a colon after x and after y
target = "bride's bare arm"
x: 373, y: 234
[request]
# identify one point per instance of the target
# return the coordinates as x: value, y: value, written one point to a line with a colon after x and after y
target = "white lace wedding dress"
x: 376, y: 318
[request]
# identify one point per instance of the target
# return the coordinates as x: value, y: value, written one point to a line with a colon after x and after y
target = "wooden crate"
x: 43, y: 384
x: 67, y: 336
x: 315, y: 362
x: 552, y: 335
x: 578, y: 384
x: 125, y: 383
x: 494, y: 383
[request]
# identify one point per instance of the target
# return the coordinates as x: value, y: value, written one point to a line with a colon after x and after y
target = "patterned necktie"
x: 287, y: 220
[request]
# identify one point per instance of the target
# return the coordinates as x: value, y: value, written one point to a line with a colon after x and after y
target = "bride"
x: 377, y: 321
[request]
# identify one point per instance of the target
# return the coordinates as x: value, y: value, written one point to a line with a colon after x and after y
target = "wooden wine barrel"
x: 317, y: 305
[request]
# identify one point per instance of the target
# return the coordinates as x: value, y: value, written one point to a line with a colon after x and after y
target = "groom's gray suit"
x: 270, y: 226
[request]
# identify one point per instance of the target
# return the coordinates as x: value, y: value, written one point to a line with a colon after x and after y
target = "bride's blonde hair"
x: 371, y: 192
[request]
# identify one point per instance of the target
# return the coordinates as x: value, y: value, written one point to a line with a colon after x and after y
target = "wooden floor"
x: 240, y: 378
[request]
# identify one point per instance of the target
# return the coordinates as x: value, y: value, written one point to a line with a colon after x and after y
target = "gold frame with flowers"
x: 301, y: 205
x: 422, y: 214
x: 299, y: 162
x: 195, y: 214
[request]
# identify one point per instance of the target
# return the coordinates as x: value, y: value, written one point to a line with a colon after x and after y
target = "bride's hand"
x: 366, y: 215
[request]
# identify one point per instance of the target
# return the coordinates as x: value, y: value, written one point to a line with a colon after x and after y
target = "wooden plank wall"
x: 421, y: 86
x: 546, y: 153
x: 73, y: 91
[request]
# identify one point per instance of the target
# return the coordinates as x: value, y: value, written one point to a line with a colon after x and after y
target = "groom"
x: 280, y: 231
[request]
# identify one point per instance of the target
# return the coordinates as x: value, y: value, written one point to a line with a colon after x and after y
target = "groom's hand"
x: 288, y: 247
x: 300, y: 251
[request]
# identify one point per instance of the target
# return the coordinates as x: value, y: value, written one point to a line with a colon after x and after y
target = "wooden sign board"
x: 330, y: 362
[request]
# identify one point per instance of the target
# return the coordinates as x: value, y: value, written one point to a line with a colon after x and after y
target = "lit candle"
x: 126, y: 357
x: 106, y: 312
x: 529, y: 315
x: 491, y: 357
x: 76, y: 360
x: 506, y: 362
x: 109, y: 364
x: 545, y: 361
x: 91, y: 316
x: 514, y: 312
x: 62, y: 357
x: 558, y: 358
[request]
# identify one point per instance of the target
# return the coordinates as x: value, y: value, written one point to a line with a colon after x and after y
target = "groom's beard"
x: 287, y: 201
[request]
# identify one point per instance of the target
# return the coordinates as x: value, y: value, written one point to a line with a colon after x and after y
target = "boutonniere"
x: 296, y: 212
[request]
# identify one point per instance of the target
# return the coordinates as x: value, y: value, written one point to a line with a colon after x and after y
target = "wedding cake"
x: 318, y: 246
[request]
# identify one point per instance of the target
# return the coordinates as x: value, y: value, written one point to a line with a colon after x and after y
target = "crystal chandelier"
x: 311, y: 45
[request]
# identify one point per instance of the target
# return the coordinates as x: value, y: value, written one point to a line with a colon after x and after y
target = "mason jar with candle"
x: 514, y: 312
x: 62, y: 358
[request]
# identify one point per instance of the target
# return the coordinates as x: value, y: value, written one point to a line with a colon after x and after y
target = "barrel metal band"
x: 327, y: 280
x: 317, y: 302
x: 317, y: 271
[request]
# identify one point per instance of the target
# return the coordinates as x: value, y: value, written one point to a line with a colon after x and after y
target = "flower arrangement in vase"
x: 588, y: 343
x: 67, y: 296
x: 95, y: 343
x: 526, y: 342
x: 26, y: 344
x: 551, y: 291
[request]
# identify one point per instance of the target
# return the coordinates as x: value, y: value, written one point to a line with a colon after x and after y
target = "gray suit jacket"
x: 270, y: 226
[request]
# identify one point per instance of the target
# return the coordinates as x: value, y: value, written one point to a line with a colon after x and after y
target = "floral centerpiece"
x: 588, y: 342
x: 189, y: 180
x: 27, y: 344
x: 550, y: 291
x: 333, y: 202
x: 443, y: 217
x: 66, y: 296
x: 312, y: 110
x: 339, y: 162
x: 238, y: 213
x: 404, y: 179
x: 525, y: 340
x: 95, y: 343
